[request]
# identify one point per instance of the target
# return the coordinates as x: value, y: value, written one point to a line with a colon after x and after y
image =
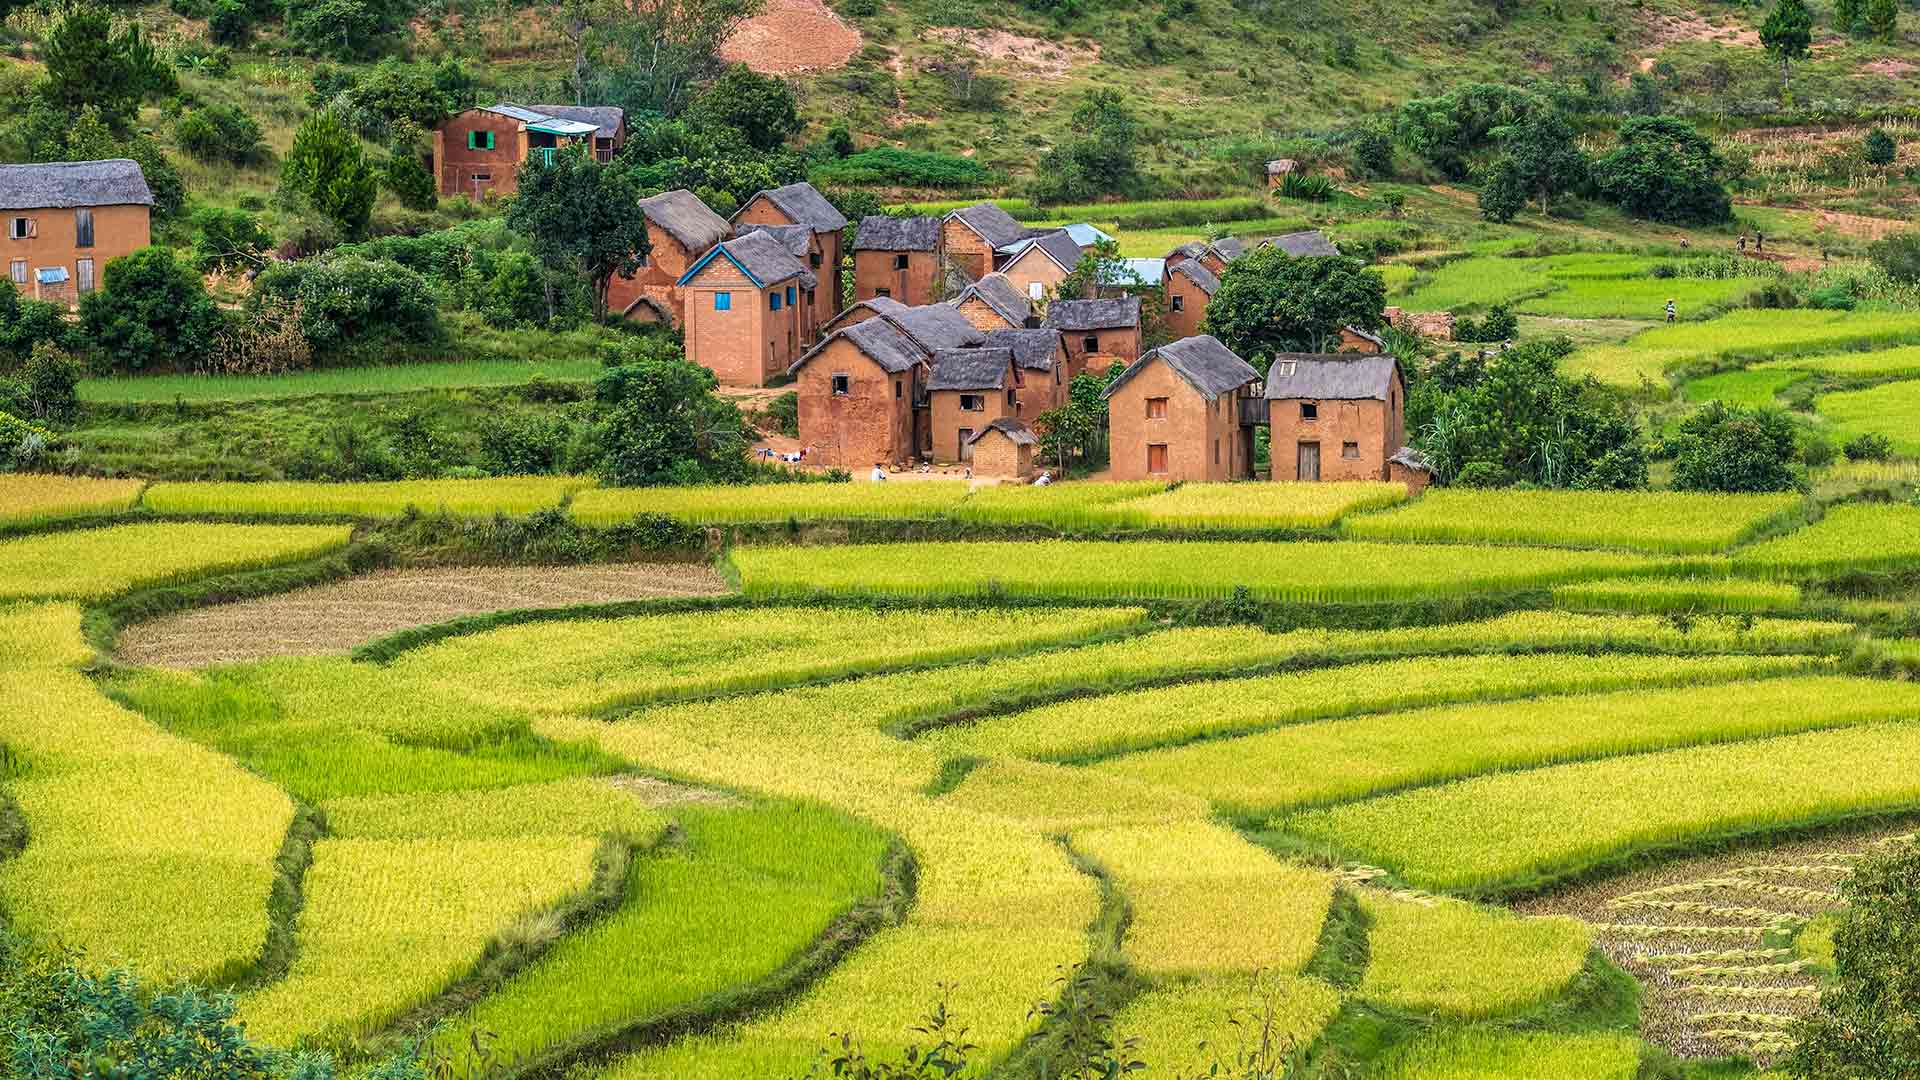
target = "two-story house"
x: 66, y: 220
x: 802, y: 205
x: 479, y: 152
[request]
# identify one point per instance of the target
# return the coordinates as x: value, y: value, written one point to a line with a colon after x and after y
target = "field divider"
x: 287, y: 900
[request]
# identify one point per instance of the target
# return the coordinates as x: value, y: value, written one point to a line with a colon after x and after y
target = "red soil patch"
x: 790, y: 37
x: 1889, y: 66
x: 1048, y: 59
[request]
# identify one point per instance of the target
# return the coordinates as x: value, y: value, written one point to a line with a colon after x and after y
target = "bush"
x: 1879, y: 148
x: 760, y: 109
x: 228, y: 240
x: 342, y: 29
x: 327, y: 169
x: 50, y: 380
x: 1868, y: 447
x: 1862, y: 1029
x: 516, y: 294
x: 220, y: 133
x: 411, y: 182
x: 393, y: 99
x: 887, y: 165
x: 353, y: 304
x: 230, y: 23
x: 1726, y: 447
x: 26, y: 323
x: 1099, y: 155
x: 662, y: 421
x: 1898, y: 256
x: 150, y: 314
x: 1311, y: 187
x: 527, y: 445
x: 1500, y: 324
x: 21, y: 443
x: 1664, y: 170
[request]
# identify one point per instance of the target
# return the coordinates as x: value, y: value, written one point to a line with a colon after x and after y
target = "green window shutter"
x: 489, y: 140
x: 473, y: 140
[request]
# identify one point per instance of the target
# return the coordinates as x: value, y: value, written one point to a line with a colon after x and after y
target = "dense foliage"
x: 1099, y: 155
x: 1664, y: 170
x: 1725, y: 447
x: 352, y: 304
x: 1270, y: 302
x: 582, y: 218
x: 759, y: 108
x: 1866, y: 1028
x: 220, y: 133
x: 327, y: 168
x: 152, y: 313
x: 663, y: 422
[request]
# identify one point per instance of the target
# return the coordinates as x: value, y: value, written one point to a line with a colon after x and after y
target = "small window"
x: 898, y: 392
x: 83, y: 227
x: 1286, y: 369
x: 723, y: 301
x: 1179, y: 302
x: 773, y: 301
x: 83, y: 275
x: 1156, y: 408
x: 1091, y: 343
x: 899, y: 262
x: 842, y: 383
x: 1309, y: 410
x: 483, y: 178
x: 479, y: 140
x: 1216, y: 451
x: 19, y: 271
x: 789, y: 296
x: 883, y: 292
x: 973, y: 402
x: 813, y: 260
x: 21, y: 229
x: 1349, y: 449
x: 1011, y: 400
x: 809, y: 296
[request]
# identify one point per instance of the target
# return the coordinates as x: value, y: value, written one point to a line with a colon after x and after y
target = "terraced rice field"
x: 712, y: 836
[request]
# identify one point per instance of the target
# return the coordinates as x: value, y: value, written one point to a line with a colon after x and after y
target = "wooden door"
x: 966, y: 448
x: 1309, y: 462
x: 1156, y: 458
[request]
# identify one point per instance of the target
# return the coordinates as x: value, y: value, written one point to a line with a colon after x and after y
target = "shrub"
x: 327, y: 168
x: 150, y: 314
x: 887, y: 165
x: 220, y: 133
x: 1099, y: 156
x: 759, y: 108
x: 21, y: 443
x: 531, y: 445
x: 1726, y: 447
x: 227, y: 240
x: 411, y: 182
x: 1500, y: 324
x: 1874, y: 952
x: 352, y: 303
x: 50, y: 379
x: 516, y: 293
x: 1664, y: 170
x: 1879, y: 148
x: 663, y: 423
x: 230, y: 22
x: 342, y: 29
x: 1869, y: 447
x: 1898, y: 256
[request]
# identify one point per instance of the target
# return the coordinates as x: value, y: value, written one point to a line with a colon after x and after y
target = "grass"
x: 570, y: 807
x: 1646, y: 298
x: 28, y: 500
x: 1083, y: 505
x: 1678, y: 595
x: 1343, y: 572
x: 1887, y: 410
x: 1850, y: 537
x: 1207, y: 902
x: 357, y: 381
x: 1057, y: 800
x: 772, y: 503
x: 1877, y: 363
x: 41, y: 636
x: 1747, y: 335
x: 93, y: 564
x: 1104, y: 726
x: 1756, y: 388
x: 603, y: 664
x: 1183, y: 1028
x: 1482, y: 1053
x: 465, y: 498
x: 1652, y: 521
x: 1264, y: 506
x: 1448, y: 958
x: 1494, y: 832
x: 1475, y: 282
x: 1367, y: 755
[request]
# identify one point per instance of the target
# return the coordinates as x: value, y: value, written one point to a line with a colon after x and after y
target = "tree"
x: 1865, y: 1027
x: 1540, y: 156
x: 582, y: 218
x: 228, y: 240
x: 1898, y: 256
x: 1099, y: 157
x: 1503, y: 194
x: 1372, y: 145
x: 328, y: 169
x: 151, y: 314
x: 662, y: 421
x: 1788, y: 36
x: 220, y: 133
x: 1666, y: 171
x: 649, y: 55
x: 1451, y: 130
x: 1078, y: 428
x: 410, y: 180
x: 342, y: 29
x: 1879, y: 148
x: 760, y: 108
x: 1270, y: 302
x: 350, y: 303
x: 89, y: 64
x: 1883, y: 20
x: 1726, y: 447
x: 1848, y: 15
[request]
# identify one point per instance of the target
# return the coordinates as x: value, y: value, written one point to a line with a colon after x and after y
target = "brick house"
x: 1044, y: 260
x: 1335, y: 417
x: 972, y: 236
x: 862, y: 391
x: 800, y: 243
x: 1214, y: 255
x: 1189, y: 286
x: 746, y: 305
x: 802, y: 204
x: 1176, y: 414
x: 479, y: 152
x: 67, y: 220
x: 1364, y: 342
x: 680, y: 229
x: 968, y: 389
x: 1005, y: 449
x: 1098, y: 333
x: 898, y: 258
x: 1303, y: 245
x: 861, y: 311
x: 1041, y: 356
x: 992, y: 303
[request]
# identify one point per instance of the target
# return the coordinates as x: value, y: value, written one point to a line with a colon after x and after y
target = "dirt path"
x: 1709, y: 939
x: 332, y: 619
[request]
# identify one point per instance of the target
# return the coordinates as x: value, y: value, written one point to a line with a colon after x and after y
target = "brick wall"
x: 997, y: 455
x: 666, y: 262
x: 1033, y: 265
x: 872, y: 422
x: 823, y: 256
x: 1110, y: 346
x: 1192, y: 300
x: 949, y: 419
x: 1415, y: 479
x: 914, y: 286
x: 1375, y: 429
x: 732, y: 343
x: 461, y: 170
x: 965, y: 248
x: 983, y: 317
x: 117, y: 231
x: 1204, y: 439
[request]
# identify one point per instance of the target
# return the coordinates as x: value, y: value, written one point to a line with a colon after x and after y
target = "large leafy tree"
x: 1100, y: 155
x: 1538, y: 156
x: 648, y: 55
x: 1666, y: 171
x: 1270, y: 302
x: 1078, y: 428
x: 328, y: 168
x: 152, y: 313
x: 1788, y: 36
x: 759, y: 108
x: 1452, y: 130
x: 1726, y: 447
x: 582, y: 218
x: 662, y: 421
x: 1868, y: 1026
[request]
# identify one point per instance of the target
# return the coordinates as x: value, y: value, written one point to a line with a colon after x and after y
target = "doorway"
x: 1308, y: 467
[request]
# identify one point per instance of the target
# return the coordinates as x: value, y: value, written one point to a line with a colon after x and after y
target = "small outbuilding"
x: 1335, y: 417
x: 1004, y: 449
x: 1410, y: 467
x: 968, y: 389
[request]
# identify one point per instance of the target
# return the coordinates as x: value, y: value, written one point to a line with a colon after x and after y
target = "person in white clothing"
x: 879, y: 473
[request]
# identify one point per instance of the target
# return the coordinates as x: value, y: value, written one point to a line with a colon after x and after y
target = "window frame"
x: 1177, y: 302
x: 1350, y: 450
x: 83, y: 226
x: 85, y: 279
x: 840, y: 384
x: 773, y: 300
x: 22, y: 228
x: 722, y: 300
x: 979, y: 403
x: 1156, y: 408
x: 1090, y: 343
x: 900, y: 261
x: 790, y: 295
x: 1309, y: 410
x: 17, y: 271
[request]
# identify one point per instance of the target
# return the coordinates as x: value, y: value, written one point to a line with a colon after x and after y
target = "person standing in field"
x: 1671, y: 311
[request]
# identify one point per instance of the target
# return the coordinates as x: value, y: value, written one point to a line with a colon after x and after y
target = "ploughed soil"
x: 792, y: 36
x: 332, y: 619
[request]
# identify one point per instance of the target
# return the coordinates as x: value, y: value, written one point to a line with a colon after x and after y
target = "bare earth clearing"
x: 331, y: 619
x: 792, y: 36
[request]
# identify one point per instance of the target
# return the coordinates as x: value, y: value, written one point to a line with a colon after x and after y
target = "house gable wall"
x: 914, y: 286
x: 1191, y: 429
x: 949, y: 419
x: 460, y: 169
x: 117, y: 231
x: 1120, y: 345
x: 736, y: 343
x: 1033, y: 265
x: 1376, y: 428
x: 1185, y: 323
x: 965, y: 248
x: 872, y: 422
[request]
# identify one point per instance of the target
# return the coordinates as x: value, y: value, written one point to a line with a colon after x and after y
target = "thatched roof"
x: 61, y: 184
x: 970, y: 369
x: 1331, y: 377
x: 688, y: 220
x: 1205, y: 364
x: 1108, y: 314
x: 884, y: 232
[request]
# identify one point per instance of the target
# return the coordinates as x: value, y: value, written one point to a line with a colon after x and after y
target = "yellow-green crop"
x: 1434, y: 955
x: 1678, y: 594
x: 28, y: 499
x: 1851, y: 537
x: 464, y: 498
x: 905, y: 498
x: 92, y: 564
x: 41, y: 636
x: 1081, y: 505
x: 1671, y: 522
x: 1253, y: 505
x: 1183, y: 1028
x: 1488, y: 1053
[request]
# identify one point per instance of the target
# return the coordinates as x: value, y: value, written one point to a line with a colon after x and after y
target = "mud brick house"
x: 1303, y: 245
x: 1180, y: 412
x: 67, y: 220
x: 1214, y: 256
x: 1189, y: 286
x: 800, y: 243
x: 861, y: 311
x: 1335, y: 417
x: 1098, y: 333
x: 898, y: 258
x: 1042, y: 261
x: 968, y: 389
x: 1005, y: 449
x: 802, y: 204
x: 746, y: 308
x: 863, y: 390
x: 1365, y: 342
x: 680, y: 229
x: 993, y: 303
x: 972, y: 236
x: 479, y: 152
x: 1041, y: 357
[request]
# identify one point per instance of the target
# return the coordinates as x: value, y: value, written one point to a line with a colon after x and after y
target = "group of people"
x: 880, y: 473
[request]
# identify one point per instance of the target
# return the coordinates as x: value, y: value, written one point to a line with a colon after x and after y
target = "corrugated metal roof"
x: 1086, y: 235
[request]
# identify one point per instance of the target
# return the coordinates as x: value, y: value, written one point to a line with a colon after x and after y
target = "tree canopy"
x: 1865, y: 1029
x: 1099, y: 156
x: 1270, y: 302
x: 759, y: 108
x: 662, y: 421
x: 328, y: 169
x: 581, y: 217
x: 1664, y: 170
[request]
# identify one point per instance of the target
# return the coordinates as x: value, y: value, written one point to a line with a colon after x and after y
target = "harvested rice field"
x: 1430, y: 788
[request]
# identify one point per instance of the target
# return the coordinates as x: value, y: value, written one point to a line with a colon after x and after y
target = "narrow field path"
x: 332, y: 619
x: 1710, y: 939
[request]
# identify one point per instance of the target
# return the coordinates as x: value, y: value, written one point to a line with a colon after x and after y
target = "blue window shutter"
x: 773, y: 301
x: 723, y: 301
x: 789, y: 296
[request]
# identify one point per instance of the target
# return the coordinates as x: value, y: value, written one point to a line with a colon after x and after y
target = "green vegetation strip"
x: 1486, y: 1053
x: 1678, y: 595
x: 465, y: 498
x: 1851, y: 537
x: 1496, y: 833
x: 1741, y: 335
x: 1340, y: 572
x: 1888, y: 410
x: 93, y: 564
x: 1445, y: 957
x: 393, y: 379
x: 1678, y: 523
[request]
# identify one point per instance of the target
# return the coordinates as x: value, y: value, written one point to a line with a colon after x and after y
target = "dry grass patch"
x: 29, y: 499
